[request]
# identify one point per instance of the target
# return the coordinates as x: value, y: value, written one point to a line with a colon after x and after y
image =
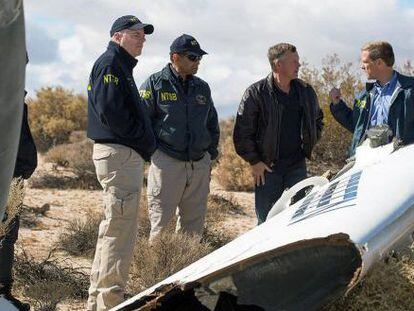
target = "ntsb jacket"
x: 185, y: 123
x: 115, y: 112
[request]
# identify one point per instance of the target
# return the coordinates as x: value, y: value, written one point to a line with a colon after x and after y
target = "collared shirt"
x: 382, y: 101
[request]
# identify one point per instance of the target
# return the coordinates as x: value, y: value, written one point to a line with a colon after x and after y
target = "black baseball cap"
x: 188, y: 44
x: 130, y: 22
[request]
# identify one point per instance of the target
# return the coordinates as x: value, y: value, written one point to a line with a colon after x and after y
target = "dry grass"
x: 170, y: 252
x: 14, y: 204
x: 73, y: 168
x: 167, y: 254
x: 79, y: 237
x: 218, y: 210
x: 77, y: 156
x: 77, y: 136
x: 388, y: 286
x: 332, y: 150
x: 50, y: 281
x: 29, y: 216
x: 59, y: 181
x: 232, y: 172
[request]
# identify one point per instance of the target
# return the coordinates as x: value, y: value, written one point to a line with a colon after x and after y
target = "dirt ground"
x: 64, y: 205
x: 38, y: 239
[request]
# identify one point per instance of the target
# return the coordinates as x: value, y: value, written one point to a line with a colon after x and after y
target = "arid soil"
x: 39, y: 234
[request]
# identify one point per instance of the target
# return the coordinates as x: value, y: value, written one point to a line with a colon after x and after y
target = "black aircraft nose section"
x: 305, y: 278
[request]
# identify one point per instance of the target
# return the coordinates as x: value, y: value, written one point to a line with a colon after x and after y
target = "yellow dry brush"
x: 14, y: 204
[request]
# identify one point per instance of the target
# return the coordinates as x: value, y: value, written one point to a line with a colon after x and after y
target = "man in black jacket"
x: 278, y: 123
x: 185, y: 123
x: 26, y: 163
x: 123, y: 140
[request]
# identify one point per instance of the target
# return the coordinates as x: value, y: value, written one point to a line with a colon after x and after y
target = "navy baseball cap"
x: 188, y: 44
x: 130, y: 22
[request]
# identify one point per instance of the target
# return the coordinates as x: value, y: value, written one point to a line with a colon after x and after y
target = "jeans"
x: 275, y: 183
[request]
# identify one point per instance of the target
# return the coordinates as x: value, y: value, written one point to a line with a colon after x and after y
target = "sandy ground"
x: 65, y: 205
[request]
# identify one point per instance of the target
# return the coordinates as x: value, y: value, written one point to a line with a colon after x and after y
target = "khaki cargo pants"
x: 179, y: 187
x: 119, y: 170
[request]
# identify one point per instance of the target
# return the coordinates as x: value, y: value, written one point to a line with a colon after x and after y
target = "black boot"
x: 6, y: 293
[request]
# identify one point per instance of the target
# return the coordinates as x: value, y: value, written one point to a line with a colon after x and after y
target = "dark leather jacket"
x: 257, y: 129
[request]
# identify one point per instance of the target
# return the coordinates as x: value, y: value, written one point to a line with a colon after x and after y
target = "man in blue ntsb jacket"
x: 389, y: 100
x: 186, y: 127
x: 123, y: 140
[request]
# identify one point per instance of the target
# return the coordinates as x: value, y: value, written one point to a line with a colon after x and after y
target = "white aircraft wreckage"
x: 305, y: 254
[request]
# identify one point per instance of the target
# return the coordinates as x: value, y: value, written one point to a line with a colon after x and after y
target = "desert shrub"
x: 59, y: 181
x: 77, y: 136
x: 232, y: 172
x: 49, y: 281
x: 332, y: 149
x: 144, y: 225
x: 54, y: 114
x: 388, y: 286
x: 226, y: 129
x: 53, y: 181
x: 58, y: 155
x: 218, y: 209
x: 77, y: 158
x: 167, y: 254
x: 14, y: 204
x: 79, y: 237
x: 29, y: 216
x: 170, y: 252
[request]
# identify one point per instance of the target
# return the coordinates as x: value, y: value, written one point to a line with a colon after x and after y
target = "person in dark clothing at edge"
x: 389, y: 100
x: 278, y: 123
x: 185, y: 123
x: 26, y: 163
x: 123, y: 140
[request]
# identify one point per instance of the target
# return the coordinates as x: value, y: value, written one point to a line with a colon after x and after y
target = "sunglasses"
x: 193, y: 58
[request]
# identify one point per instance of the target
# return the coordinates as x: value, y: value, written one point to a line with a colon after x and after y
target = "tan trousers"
x: 119, y: 170
x: 177, y: 187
